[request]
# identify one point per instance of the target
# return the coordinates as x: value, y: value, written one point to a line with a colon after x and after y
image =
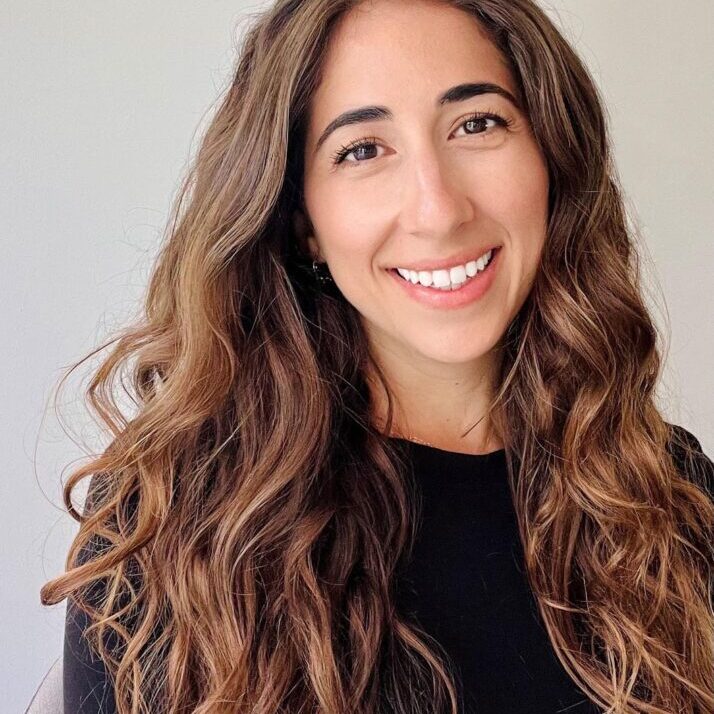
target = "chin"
x: 454, y: 351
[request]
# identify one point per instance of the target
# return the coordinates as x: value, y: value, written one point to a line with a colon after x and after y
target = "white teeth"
x: 426, y: 278
x: 447, y: 279
x: 458, y: 274
x: 441, y: 278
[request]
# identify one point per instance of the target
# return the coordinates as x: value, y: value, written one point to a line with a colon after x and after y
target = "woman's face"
x: 431, y: 188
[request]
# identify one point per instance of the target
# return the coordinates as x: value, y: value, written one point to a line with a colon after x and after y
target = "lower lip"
x: 475, y: 288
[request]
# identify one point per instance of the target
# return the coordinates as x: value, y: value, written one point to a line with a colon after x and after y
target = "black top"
x: 465, y: 585
x: 469, y: 589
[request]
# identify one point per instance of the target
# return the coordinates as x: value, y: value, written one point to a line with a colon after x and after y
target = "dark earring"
x: 322, y: 277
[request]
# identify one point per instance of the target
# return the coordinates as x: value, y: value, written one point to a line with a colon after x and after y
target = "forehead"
x: 400, y: 52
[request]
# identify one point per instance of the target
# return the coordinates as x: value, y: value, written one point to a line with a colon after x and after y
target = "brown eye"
x: 479, y: 122
x: 343, y: 152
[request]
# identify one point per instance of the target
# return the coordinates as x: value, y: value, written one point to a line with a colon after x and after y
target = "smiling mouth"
x: 447, y: 279
x: 463, y: 292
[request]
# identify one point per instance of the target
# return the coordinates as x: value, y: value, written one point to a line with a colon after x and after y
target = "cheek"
x: 516, y: 189
x: 350, y: 248
x: 348, y: 233
x: 517, y: 198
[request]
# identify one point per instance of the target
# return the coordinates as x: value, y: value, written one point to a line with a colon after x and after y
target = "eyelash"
x: 344, y: 151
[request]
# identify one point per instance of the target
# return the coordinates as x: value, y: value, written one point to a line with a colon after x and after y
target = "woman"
x: 396, y: 447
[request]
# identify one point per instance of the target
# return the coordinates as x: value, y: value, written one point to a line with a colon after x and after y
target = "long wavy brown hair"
x: 247, y: 519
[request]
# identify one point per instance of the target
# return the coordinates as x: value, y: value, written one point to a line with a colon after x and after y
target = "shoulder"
x: 88, y: 685
x: 690, y: 459
x: 111, y: 583
x: 119, y: 519
x: 98, y: 492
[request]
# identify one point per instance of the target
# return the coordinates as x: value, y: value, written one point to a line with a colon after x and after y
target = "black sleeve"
x: 691, y: 460
x: 87, y: 688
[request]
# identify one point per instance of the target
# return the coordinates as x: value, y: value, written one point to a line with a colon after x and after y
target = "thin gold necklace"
x: 419, y: 441
x: 414, y: 438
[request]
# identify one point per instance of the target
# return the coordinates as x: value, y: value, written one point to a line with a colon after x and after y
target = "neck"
x: 441, y: 405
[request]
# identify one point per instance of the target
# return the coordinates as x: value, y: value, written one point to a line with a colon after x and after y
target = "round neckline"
x: 435, y: 450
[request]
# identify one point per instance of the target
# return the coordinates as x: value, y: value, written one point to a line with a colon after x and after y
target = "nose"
x: 435, y: 202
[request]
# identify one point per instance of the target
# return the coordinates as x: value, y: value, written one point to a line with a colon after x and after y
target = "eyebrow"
x: 458, y: 93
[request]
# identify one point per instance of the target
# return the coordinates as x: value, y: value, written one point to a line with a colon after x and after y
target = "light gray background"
x: 101, y: 106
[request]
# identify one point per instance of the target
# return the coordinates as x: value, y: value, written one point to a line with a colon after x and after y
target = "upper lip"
x: 441, y: 263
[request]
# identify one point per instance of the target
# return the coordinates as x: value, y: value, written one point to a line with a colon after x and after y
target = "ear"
x: 307, y: 242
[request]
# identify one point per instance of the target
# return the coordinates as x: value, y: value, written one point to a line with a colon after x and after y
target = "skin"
x: 431, y: 185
